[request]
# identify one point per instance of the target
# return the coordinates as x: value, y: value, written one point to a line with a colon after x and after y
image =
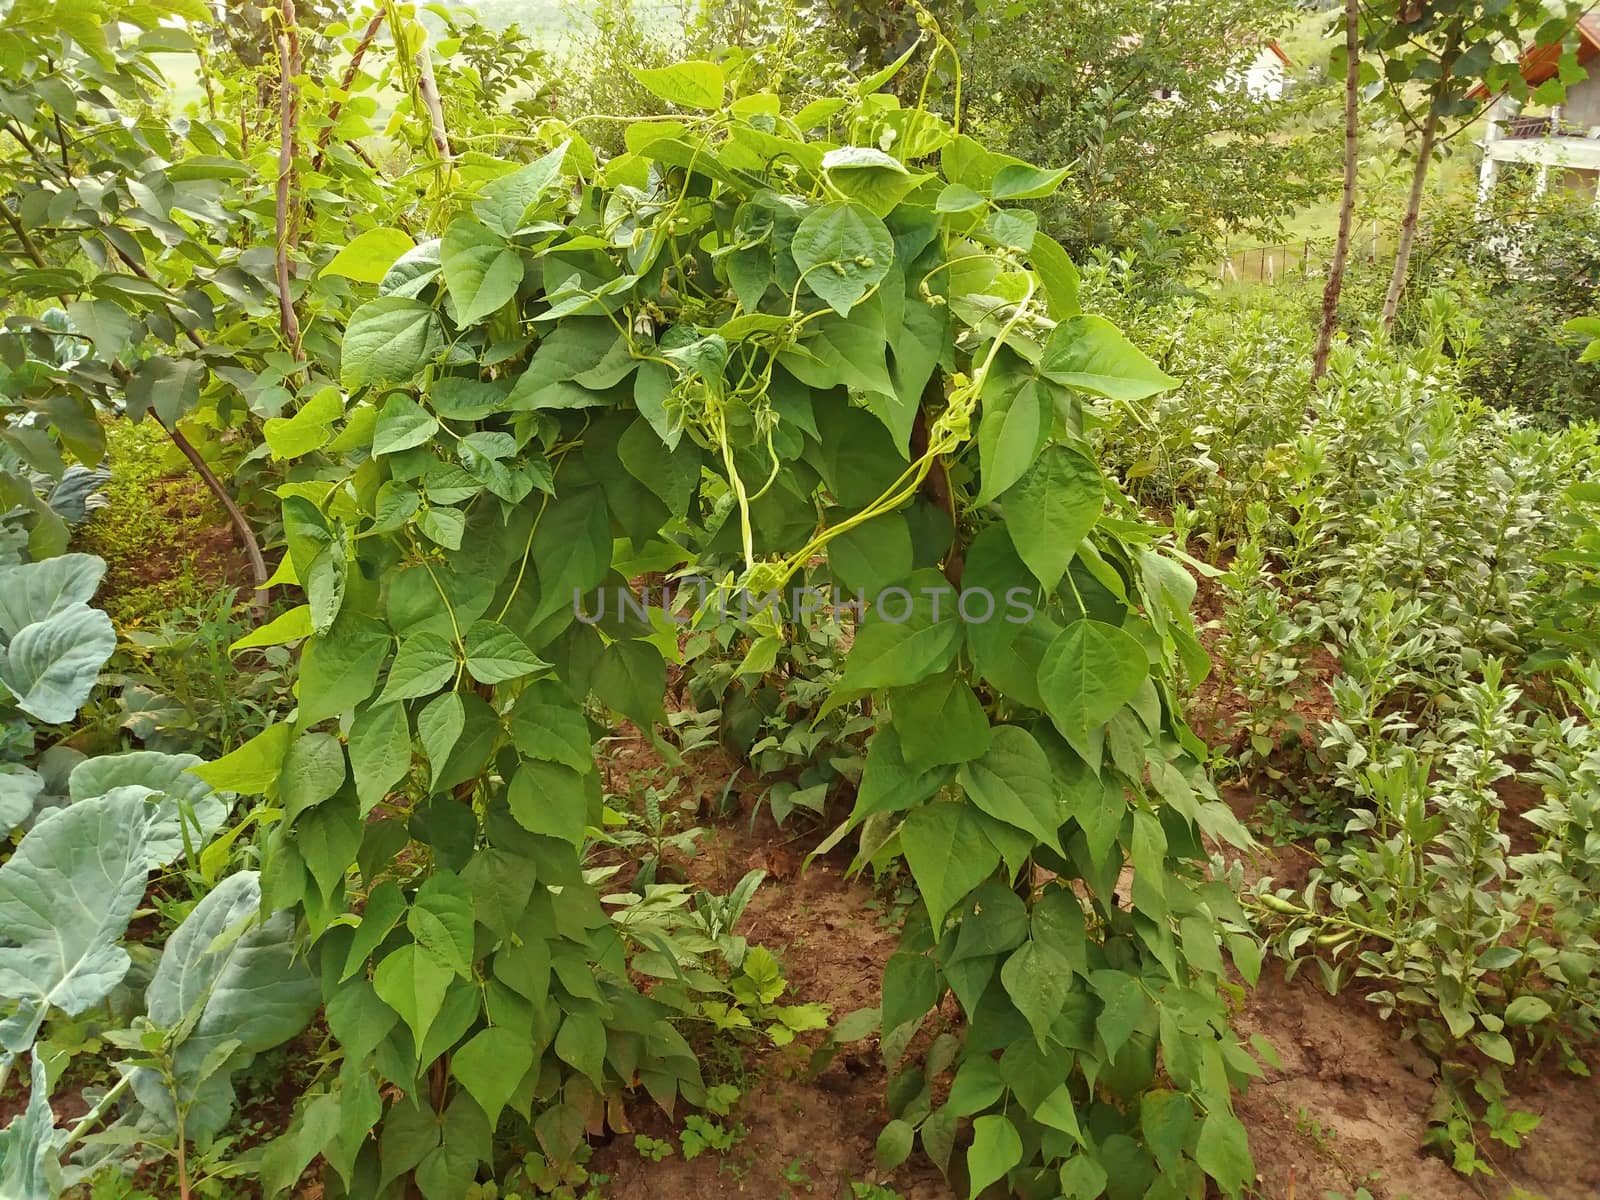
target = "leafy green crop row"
x: 765, y: 346
x: 1441, y: 553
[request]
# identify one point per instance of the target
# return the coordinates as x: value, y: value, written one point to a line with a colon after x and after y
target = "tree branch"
x: 28, y: 247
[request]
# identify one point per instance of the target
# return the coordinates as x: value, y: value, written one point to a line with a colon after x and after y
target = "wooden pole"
x: 288, y: 123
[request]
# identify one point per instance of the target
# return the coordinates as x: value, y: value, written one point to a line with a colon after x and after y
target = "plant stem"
x: 937, y: 484
x: 91, y: 1117
x: 252, y: 548
x: 182, y: 1142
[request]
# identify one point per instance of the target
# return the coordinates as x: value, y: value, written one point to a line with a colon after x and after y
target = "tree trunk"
x: 1408, y: 227
x: 1347, y: 199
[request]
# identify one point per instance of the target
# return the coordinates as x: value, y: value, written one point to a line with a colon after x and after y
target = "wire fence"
x: 1303, y: 259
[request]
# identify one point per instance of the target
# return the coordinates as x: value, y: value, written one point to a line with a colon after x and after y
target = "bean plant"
x: 816, y: 344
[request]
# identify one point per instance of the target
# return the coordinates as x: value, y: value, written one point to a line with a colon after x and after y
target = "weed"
x: 1307, y: 1126
x: 559, y: 1180
x: 700, y: 1135
x: 651, y: 825
x: 796, y: 1175
x: 755, y: 991
x: 653, y: 1149
x: 113, y: 1185
x: 183, y: 689
x: 775, y: 712
x: 165, y: 540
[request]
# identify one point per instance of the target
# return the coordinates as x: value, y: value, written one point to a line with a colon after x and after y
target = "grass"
x: 1381, y: 187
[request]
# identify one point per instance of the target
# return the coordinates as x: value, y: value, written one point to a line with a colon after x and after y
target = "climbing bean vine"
x: 822, y: 346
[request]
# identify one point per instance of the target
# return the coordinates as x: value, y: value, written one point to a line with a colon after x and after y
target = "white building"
x: 1265, y: 76
x: 1565, y: 143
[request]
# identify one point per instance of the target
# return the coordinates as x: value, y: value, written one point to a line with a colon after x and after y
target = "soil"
x: 208, y: 549
x: 832, y: 937
x: 821, y: 1131
x: 1349, y: 1106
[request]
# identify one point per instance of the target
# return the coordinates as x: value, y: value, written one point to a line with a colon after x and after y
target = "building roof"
x: 1541, y: 62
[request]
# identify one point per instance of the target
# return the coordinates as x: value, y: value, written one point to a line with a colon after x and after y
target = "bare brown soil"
x: 820, y: 1131
x: 1349, y: 1108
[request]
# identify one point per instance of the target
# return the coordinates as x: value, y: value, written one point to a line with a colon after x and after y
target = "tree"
x: 84, y: 212
x: 1145, y: 99
x: 1433, y: 56
x: 1347, y: 197
x: 144, y: 231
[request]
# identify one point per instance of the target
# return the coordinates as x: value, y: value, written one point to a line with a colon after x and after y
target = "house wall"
x: 1582, y: 105
x: 1578, y: 182
x: 1263, y: 79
